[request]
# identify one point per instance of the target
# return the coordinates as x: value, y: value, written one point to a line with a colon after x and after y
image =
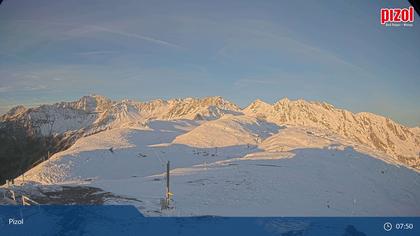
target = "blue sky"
x: 333, y: 51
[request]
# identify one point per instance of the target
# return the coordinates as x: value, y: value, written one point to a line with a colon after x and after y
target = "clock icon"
x: 387, y: 226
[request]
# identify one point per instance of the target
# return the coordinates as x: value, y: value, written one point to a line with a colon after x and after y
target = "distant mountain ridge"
x: 376, y: 131
x: 95, y: 113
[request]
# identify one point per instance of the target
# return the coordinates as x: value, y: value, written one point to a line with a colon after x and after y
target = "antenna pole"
x: 167, y: 181
x: 164, y: 202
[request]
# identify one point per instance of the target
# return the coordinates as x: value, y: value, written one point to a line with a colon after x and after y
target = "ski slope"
x: 236, y: 165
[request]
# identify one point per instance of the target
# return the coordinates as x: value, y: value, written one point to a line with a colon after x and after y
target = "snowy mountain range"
x: 92, y: 114
x: 287, y: 158
x: 95, y: 113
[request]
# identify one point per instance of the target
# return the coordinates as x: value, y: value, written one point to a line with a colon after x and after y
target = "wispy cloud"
x: 133, y: 35
x: 90, y: 28
x: 4, y: 89
x: 35, y: 87
x: 8, y: 89
x: 9, y: 56
x: 92, y: 53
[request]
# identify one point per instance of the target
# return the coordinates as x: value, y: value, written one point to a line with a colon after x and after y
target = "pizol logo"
x: 397, y: 16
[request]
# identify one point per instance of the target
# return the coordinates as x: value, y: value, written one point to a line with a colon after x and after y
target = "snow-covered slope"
x: 91, y: 158
x: 295, y: 171
x: 290, y: 158
x: 59, y: 125
x: 95, y: 113
x: 229, y: 130
x: 378, y: 132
